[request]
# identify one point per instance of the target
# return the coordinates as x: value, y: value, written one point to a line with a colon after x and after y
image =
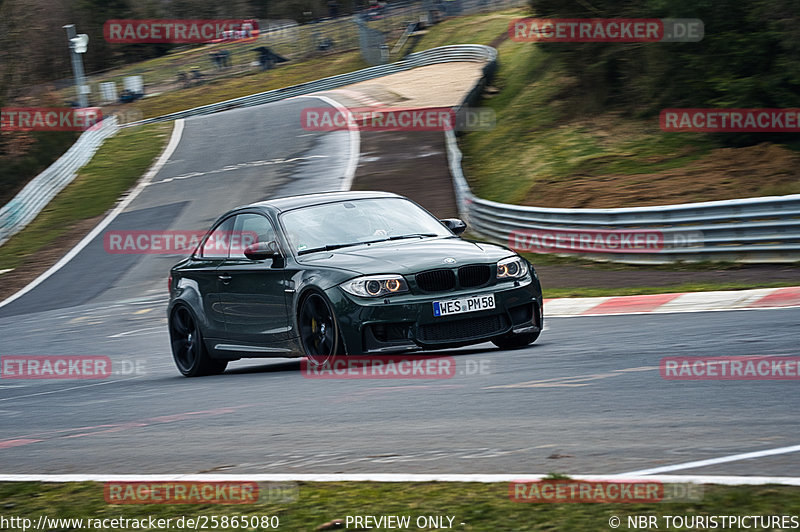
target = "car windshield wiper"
x: 330, y: 247
x: 412, y: 235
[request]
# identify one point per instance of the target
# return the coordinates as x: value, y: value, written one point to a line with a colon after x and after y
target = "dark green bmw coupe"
x: 345, y: 273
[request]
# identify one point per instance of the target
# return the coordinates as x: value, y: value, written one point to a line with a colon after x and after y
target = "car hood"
x: 408, y: 256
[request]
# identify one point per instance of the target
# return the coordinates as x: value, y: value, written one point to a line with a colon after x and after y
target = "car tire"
x: 188, y: 348
x: 320, y: 335
x: 515, y: 341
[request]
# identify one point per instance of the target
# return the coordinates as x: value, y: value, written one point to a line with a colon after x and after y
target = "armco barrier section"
x: 30, y: 201
x: 442, y: 54
x: 746, y: 230
x: 24, y: 207
x: 765, y: 229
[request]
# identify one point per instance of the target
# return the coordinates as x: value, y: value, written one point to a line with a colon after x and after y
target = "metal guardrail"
x: 442, y: 54
x: 747, y: 230
x: 765, y: 229
x: 30, y: 201
x: 26, y: 205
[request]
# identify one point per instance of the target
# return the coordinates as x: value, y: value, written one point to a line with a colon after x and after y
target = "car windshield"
x: 348, y: 223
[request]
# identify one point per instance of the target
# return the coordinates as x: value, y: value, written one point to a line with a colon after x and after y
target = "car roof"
x: 307, y: 200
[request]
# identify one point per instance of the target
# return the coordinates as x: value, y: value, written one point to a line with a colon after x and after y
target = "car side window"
x: 218, y: 242
x: 249, y: 229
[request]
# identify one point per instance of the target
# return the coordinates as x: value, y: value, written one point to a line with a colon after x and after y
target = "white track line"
x: 177, y: 131
x: 715, y: 461
x: 395, y: 477
x: 355, y: 141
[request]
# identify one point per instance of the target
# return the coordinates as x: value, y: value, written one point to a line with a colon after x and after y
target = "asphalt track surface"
x: 587, y: 398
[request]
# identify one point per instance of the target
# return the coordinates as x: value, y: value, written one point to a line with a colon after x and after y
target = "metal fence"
x: 30, y: 201
x: 382, y: 29
x: 372, y: 42
x: 366, y: 31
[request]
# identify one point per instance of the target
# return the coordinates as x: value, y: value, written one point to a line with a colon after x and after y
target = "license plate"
x: 460, y: 306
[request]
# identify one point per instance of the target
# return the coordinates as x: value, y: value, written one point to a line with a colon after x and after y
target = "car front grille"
x: 443, y: 280
x: 436, y: 280
x: 463, y: 329
x: 474, y: 275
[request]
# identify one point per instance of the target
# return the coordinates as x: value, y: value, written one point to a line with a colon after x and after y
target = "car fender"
x: 188, y: 293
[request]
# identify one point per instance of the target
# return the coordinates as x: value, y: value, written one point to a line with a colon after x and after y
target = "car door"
x: 252, y: 291
x: 210, y: 255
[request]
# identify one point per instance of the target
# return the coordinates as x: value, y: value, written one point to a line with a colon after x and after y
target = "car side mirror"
x: 262, y: 251
x: 455, y: 225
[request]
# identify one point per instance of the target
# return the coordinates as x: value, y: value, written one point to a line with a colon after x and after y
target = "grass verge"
x: 546, y: 150
x: 115, y: 168
x: 480, y: 507
x: 249, y: 83
x: 472, y: 29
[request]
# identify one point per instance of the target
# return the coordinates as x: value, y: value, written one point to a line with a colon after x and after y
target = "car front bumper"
x: 407, y: 321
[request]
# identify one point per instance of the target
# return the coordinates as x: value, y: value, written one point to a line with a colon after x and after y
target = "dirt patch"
x: 725, y: 173
x: 442, y: 85
x: 500, y: 39
x: 39, y: 262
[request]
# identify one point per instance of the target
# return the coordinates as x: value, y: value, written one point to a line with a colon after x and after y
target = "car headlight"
x: 512, y: 268
x: 376, y: 286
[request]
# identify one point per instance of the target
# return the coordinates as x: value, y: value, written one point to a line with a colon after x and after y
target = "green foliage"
x: 40, y: 149
x: 479, y: 506
x: 117, y: 165
x: 749, y: 57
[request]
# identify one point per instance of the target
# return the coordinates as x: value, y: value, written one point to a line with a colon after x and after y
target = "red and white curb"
x: 761, y: 298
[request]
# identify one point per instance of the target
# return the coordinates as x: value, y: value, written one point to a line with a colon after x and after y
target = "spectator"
x: 333, y: 8
x: 183, y: 79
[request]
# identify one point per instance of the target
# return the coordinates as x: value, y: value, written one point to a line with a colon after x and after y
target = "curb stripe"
x: 781, y: 297
x: 753, y: 299
x: 625, y: 304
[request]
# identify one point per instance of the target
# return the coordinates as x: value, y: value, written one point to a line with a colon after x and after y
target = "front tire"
x: 188, y: 349
x: 319, y: 330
